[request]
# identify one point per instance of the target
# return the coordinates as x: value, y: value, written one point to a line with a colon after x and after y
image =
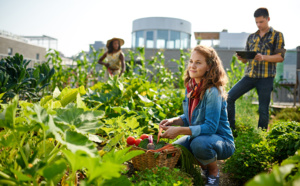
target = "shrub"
x: 288, y: 114
x: 17, y: 79
x: 252, y: 156
x: 285, y: 137
x: 286, y: 174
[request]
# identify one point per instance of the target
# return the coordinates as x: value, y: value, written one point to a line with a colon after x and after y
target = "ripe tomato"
x: 130, y: 140
x: 137, y: 142
x: 144, y: 136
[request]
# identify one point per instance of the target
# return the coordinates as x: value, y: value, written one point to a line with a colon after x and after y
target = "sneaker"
x: 212, y: 180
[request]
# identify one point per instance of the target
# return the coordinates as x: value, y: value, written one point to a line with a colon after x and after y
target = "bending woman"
x: 204, y: 123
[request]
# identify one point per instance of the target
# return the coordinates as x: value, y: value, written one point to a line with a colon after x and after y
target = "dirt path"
x: 225, y: 177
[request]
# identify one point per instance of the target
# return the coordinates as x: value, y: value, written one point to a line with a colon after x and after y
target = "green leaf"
x: 77, y: 160
x: 56, y: 92
x: 45, y: 99
x: 96, y: 138
x: 96, y: 168
x: 68, y: 95
x: 20, y: 176
x: 275, y: 178
x: 107, y: 130
x: 78, y: 142
x: 105, y: 170
x: 7, y: 139
x: 55, y: 171
x: 8, y: 116
x: 52, y: 105
x: 144, y: 99
x: 84, y: 121
x: 113, y: 142
x: 80, y: 103
x: 132, y: 122
x: 39, y: 115
x: 81, y: 90
x: 121, y: 181
x: 1, y: 95
x: 122, y: 155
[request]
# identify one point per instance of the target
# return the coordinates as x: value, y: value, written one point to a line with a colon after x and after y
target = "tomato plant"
x: 130, y: 140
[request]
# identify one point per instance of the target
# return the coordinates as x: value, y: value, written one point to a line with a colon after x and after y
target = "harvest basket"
x: 148, y: 160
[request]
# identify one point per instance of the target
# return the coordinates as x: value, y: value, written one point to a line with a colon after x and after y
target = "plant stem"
x: 21, y: 151
x: 53, y: 153
x: 23, y: 139
x: 7, y: 182
x: 44, y: 142
x: 4, y: 175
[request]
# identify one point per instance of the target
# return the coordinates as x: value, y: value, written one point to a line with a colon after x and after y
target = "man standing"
x: 260, y: 72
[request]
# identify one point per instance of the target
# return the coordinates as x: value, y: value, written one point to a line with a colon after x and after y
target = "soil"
x: 225, y: 179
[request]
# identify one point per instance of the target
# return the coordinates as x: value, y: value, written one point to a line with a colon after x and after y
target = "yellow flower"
x: 101, y: 152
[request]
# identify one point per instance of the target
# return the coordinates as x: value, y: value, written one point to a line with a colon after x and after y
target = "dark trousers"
x: 264, y: 87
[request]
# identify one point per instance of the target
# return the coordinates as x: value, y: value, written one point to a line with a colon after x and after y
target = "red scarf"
x: 193, y: 90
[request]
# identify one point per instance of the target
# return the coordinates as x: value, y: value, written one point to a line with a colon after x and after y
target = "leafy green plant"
x: 288, y: 114
x: 285, y: 137
x: 135, y: 97
x: 17, y: 79
x: 236, y: 71
x: 94, y: 74
x: 288, y: 173
x: 158, y: 145
x: 161, y: 176
x: 41, y: 141
x: 253, y: 155
x: 60, y: 78
x: 189, y: 164
x: 181, y: 62
x: 131, y: 65
x: 160, y: 73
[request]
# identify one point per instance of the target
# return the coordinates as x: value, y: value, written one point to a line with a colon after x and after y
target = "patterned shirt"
x: 270, y: 44
x: 113, y: 60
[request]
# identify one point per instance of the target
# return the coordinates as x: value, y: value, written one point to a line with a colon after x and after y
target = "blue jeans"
x: 264, y: 87
x: 207, y: 148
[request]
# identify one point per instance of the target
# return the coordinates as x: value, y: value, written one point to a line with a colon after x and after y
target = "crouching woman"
x: 204, y: 124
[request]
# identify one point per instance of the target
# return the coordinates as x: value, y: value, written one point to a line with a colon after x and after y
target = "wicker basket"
x: 167, y: 158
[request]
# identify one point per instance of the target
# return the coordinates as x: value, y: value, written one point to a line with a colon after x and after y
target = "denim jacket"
x: 209, y: 117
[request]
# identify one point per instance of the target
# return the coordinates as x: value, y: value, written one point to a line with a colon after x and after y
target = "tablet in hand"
x: 246, y: 54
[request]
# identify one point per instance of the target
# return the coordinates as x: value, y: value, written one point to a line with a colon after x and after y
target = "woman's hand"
x: 170, y: 132
x: 166, y: 122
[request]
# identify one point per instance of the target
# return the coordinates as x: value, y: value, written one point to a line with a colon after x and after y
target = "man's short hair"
x: 261, y: 12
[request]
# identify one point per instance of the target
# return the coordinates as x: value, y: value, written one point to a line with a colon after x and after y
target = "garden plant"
x: 64, y: 125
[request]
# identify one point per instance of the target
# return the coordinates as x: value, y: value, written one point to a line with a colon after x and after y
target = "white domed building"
x: 161, y: 33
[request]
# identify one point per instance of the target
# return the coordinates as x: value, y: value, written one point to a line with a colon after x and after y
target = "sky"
x: 76, y: 23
